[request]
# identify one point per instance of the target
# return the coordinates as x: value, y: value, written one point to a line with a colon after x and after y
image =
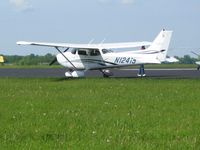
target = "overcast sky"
x: 79, y: 21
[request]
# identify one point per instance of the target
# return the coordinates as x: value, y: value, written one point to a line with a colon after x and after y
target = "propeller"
x: 53, y: 61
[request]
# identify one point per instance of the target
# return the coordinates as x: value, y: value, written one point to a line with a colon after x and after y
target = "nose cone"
x: 53, y: 61
x: 61, y: 60
x: 65, y: 59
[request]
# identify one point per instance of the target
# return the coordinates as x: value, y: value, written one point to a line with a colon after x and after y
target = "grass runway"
x: 98, y: 113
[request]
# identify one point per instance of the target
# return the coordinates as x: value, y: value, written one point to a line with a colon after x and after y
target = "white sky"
x: 79, y: 21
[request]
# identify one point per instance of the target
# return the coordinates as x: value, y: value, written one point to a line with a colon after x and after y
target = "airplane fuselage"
x: 85, y: 61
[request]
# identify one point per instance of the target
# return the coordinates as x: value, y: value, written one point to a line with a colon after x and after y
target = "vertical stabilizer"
x: 161, y: 44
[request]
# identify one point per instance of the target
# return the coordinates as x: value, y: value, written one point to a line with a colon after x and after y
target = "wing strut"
x: 65, y: 57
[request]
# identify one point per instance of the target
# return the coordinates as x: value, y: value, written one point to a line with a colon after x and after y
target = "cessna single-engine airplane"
x: 78, y: 58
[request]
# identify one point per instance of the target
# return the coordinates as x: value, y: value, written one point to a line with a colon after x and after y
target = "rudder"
x: 161, y: 44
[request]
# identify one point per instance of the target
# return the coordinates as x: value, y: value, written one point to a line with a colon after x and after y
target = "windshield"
x: 73, y: 51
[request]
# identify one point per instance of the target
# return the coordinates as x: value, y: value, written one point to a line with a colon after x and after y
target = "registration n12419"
x: 125, y: 60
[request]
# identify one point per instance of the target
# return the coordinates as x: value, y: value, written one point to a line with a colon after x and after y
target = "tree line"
x: 33, y: 59
x: 187, y: 59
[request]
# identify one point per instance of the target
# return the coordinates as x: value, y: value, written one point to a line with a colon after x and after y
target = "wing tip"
x: 23, y: 43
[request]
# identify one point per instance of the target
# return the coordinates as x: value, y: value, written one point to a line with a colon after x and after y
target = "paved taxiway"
x: 59, y: 72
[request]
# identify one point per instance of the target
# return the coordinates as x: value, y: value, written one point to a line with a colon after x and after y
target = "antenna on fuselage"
x: 91, y: 41
x: 102, y: 42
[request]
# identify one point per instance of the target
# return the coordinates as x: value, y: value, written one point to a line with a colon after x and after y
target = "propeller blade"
x: 66, y: 58
x: 53, y: 61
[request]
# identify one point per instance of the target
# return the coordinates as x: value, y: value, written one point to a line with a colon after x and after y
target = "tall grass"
x: 99, y: 114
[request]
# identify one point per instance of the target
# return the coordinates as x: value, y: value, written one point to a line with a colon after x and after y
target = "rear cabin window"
x: 106, y: 51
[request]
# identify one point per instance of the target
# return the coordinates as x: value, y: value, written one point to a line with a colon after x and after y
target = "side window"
x: 105, y: 51
x: 94, y: 52
x: 82, y: 52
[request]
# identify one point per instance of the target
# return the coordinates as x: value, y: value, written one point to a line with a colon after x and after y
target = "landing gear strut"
x: 106, y: 73
x: 141, y: 72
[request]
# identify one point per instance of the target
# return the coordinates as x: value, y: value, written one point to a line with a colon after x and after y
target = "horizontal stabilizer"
x: 171, y: 60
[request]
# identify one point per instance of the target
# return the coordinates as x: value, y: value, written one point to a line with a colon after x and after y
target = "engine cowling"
x: 75, y: 74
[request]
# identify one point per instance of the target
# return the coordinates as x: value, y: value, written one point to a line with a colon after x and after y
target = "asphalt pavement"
x: 123, y: 73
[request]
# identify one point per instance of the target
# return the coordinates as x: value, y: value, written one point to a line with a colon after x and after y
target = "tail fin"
x: 161, y: 44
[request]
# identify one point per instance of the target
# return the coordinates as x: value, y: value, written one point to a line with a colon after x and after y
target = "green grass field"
x: 98, y: 113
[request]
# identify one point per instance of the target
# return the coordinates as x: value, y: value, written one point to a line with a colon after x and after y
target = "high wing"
x: 197, y: 62
x: 89, y: 46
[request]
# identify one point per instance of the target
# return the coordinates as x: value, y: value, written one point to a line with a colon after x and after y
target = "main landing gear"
x: 106, y: 73
x: 74, y: 74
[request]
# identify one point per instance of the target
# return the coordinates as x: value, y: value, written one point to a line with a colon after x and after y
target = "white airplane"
x: 197, y: 62
x: 78, y: 58
x: 171, y: 59
x: 2, y: 60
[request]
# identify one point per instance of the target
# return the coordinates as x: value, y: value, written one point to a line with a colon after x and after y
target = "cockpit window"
x: 94, y: 52
x: 106, y: 51
x: 82, y: 52
x: 86, y: 52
